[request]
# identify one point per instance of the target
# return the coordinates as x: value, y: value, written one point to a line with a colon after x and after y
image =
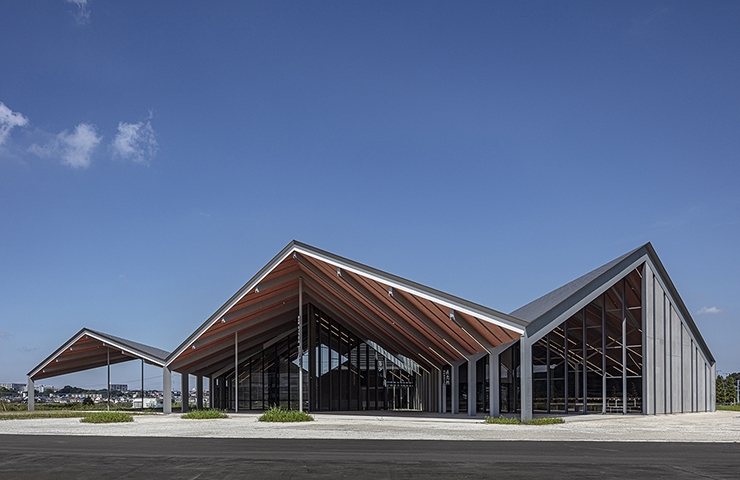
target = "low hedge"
x: 204, y: 414
x: 278, y: 414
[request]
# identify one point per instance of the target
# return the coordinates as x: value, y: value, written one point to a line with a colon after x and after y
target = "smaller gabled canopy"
x: 89, y: 349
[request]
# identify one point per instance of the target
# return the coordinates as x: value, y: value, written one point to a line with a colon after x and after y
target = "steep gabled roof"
x: 548, y: 308
x: 420, y: 322
x: 91, y: 349
x: 538, y: 307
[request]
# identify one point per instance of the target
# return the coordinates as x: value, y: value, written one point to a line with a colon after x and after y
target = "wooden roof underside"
x: 402, y: 322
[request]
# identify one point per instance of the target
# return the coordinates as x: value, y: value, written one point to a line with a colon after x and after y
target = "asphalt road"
x: 40, y: 457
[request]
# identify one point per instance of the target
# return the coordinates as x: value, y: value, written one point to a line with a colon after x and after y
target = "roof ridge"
x: 541, y: 305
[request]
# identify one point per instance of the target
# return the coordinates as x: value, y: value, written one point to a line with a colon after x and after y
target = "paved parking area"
x: 720, y: 426
x: 54, y: 457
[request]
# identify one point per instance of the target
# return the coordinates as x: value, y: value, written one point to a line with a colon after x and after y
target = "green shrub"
x: 204, y: 414
x: 107, y: 417
x: 278, y: 414
x: 545, y: 421
x: 515, y: 421
x: 503, y: 420
x: 734, y: 408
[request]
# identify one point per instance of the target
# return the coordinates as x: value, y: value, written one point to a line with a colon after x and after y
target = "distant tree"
x: 88, y: 402
x: 726, y: 390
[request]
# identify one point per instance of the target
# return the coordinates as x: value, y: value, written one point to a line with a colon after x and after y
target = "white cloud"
x: 8, y: 120
x: 74, y: 149
x: 82, y: 16
x: 709, y: 310
x: 135, y: 141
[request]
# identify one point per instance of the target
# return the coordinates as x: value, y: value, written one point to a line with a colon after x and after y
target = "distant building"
x: 119, y: 387
x: 18, y: 387
x: 148, y: 403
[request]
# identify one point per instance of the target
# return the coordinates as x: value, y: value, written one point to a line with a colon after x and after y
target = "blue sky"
x: 155, y: 155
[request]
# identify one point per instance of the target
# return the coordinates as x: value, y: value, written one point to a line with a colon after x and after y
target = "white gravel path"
x: 720, y: 426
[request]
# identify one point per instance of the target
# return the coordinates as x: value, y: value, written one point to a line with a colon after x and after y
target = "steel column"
x: 441, y: 392
x: 184, y: 392
x: 603, y: 353
x: 525, y: 378
x: 31, y: 393
x: 166, y: 391
x: 300, y: 344
x: 236, y: 372
x: 494, y: 361
x: 210, y: 392
x: 107, y: 351
x: 584, y: 353
x: 624, y: 351
x: 199, y: 392
x: 455, y: 384
x: 142, y: 384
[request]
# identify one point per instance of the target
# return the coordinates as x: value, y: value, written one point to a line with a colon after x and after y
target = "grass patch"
x: 42, y: 414
x: 204, y: 414
x: 516, y: 421
x: 503, y: 420
x: 734, y: 408
x: 107, y: 417
x: 278, y: 414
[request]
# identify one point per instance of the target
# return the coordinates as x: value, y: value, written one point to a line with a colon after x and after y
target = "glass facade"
x: 592, y: 362
x: 341, y: 372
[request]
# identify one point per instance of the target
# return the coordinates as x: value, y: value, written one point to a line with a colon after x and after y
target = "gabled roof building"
x: 316, y: 331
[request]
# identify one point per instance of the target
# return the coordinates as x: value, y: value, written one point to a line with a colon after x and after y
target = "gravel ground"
x: 720, y: 426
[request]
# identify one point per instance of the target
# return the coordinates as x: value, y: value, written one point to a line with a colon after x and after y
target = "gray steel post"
x: 142, y: 384
x: 603, y: 353
x: 300, y: 344
x: 624, y: 350
x: 584, y: 354
x: 472, y: 384
x: 107, y: 351
x: 166, y: 391
x: 210, y: 391
x: 199, y: 392
x: 236, y: 372
x: 495, y: 379
x: 525, y: 375
x: 31, y: 395
x: 442, y: 391
x: 455, y: 384
x: 185, y: 389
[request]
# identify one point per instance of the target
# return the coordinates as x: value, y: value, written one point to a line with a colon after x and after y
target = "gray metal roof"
x: 81, y: 352
x: 154, y: 352
x: 550, y: 307
x: 536, y: 308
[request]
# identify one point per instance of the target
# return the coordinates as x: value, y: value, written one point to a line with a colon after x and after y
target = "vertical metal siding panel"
x: 686, y: 370
x: 695, y: 377
x: 660, y: 350
x: 702, y: 393
x: 648, y: 346
x: 713, y: 389
x: 675, y: 361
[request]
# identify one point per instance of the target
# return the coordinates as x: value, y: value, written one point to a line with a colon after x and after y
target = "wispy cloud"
x: 82, y: 15
x: 9, y: 120
x: 709, y: 310
x: 136, y: 142
x: 27, y: 349
x: 73, y: 149
x: 5, y: 335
